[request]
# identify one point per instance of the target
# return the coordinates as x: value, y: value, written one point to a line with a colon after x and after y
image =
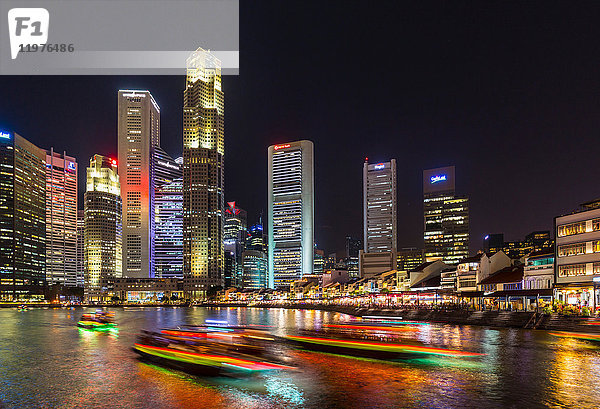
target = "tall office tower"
x: 379, y: 218
x: 102, y: 211
x: 255, y: 269
x: 446, y: 217
x: 80, y: 247
x: 168, y: 258
x: 291, y: 212
x: 203, y: 175
x: 61, y: 219
x: 379, y: 206
x: 257, y: 239
x: 168, y: 213
x: 22, y: 218
x: 138, y: 136
x: 235, y: 231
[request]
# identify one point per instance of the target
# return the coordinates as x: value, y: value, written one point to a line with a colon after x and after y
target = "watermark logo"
x: 27, y: 26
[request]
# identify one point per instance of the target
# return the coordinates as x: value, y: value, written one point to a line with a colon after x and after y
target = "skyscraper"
x: 61, y: 219
x: 80, y: 247
x: 138, y: 136
x: 255, y: 269
x: 291, y: 212
x: 169, y: 230
x: 446, y: 217
x: 379, y: 206
x: 257, y: 240
x: 22, y: 218
x: 234, y: 239
x: 203, y: 175
x: 168, y: 213
x: 102, y: 212
x: 379, y: 218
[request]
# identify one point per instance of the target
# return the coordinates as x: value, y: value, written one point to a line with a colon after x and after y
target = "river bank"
x: 501, y: 319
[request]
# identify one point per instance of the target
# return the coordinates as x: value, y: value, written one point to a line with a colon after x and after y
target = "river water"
x: 47, y: 362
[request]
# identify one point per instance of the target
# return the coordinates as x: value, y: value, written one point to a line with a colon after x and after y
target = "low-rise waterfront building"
x: 539, y: 270
x: 577, y: 256
x: 148, y: 290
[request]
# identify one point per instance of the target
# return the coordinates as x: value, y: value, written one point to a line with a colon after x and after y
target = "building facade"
x: 203, y: 175
x: 61, y: 219
x: 138, y: 136
x: 102, y: 245
x: 235, y: 232
x: 168, y: 257
x: 410, y: 258
x: 577, y: 256
x: 22, y: 218
x: 254, y: 269
x: 446, y: 217
x: 80, y: 247
x: 379, y: 207
x: 290, y: 212
x: 539, y: 270
x: 168, y: 215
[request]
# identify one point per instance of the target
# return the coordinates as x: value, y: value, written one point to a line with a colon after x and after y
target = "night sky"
x: 509, y: 93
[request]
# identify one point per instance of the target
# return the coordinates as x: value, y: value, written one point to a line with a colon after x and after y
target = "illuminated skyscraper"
x: 255, y: 269
x: 61, y: 219
x: 234, y: 240
x: 379, y: 218
x: 102, y: 213
x: 168, y: 212
x: 446, y: 217
x: 379, y: 206
x: 203, y: 175
x: 22, y: 217
x: 169, y: 230
x: 257, y: 238
x: 138, y: 136
x: 80, y: 247
x: 291, y: 212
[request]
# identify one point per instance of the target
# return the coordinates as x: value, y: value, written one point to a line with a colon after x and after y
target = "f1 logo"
x: 27, y: 26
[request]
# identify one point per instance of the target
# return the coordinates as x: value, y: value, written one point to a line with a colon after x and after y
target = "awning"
x: 545, y: 292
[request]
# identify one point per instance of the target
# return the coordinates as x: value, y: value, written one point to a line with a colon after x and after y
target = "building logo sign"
x: 71, y: 166
x: 379, y: 166
x: 277, y: 147
x: 438, y: 178
x: 4, y: 135
x: 168, y: 165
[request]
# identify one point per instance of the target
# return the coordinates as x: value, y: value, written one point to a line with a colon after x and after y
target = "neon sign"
x: 438, y: 178
x: 4, y: 135
x: 379, y: 166
x: 277, y: 147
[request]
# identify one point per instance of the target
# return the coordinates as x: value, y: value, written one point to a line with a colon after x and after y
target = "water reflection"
x: 45, y: 361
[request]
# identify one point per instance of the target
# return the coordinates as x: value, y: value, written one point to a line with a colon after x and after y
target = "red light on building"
x: 114, y: 162
x: 277, y: 147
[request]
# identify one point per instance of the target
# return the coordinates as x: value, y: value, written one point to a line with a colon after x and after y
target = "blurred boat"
x: 361, y: 346
x: 205, y: 350
x: 577, y: 335
x: 99, y: 320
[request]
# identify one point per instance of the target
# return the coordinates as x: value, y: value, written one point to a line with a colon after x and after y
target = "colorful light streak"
x: 577, y: 335
x: 372, y: 327
x: 383, y: 346
x: 208, y: 359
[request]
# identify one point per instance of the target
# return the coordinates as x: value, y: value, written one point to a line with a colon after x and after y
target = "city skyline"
x: 491, y: 124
